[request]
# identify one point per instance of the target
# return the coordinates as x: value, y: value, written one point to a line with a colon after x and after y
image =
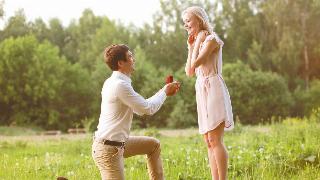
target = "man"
x: 119, y: 100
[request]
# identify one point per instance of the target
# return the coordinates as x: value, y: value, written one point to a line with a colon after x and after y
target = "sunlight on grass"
x: 288, y: 150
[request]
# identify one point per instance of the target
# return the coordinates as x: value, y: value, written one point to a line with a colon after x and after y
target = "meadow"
x: 284, y: 150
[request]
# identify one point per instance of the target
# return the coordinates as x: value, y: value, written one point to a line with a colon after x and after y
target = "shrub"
x: 256, y: 95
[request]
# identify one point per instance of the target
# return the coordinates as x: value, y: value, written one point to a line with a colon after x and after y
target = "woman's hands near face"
x: 191, y: 40
x: 201, y: 36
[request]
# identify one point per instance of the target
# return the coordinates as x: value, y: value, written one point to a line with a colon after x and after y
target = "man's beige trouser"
x: 109, y: 159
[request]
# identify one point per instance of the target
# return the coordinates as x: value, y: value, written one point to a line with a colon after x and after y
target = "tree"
x: 78, y: 39
x: 39, y: 87
x: 1, y: 9
x: 56, y: 33
x: 184, y: 108
x: 40, y: 30
x: 237, y: 22
x: 16, y: 26
x: 165, y: 42
x: 86, y: 31
x: 147, y: 80
x: 293, y: 29
x: 306, y: 101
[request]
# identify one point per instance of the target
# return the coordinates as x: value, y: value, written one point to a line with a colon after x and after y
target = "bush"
x: 256, y: 96
x: 306, y: 101
x: 184, y: 110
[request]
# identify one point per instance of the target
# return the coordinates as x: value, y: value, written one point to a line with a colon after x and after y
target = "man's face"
x: 128, y: 66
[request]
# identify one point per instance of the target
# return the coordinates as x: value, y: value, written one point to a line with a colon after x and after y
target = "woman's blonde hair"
x: 201, y: 14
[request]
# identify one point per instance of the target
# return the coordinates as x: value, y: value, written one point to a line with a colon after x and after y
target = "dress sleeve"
x: 215, y: 37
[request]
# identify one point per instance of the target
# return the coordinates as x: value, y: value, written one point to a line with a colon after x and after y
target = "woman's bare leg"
x: 212, y: 160
x: 215, y: 138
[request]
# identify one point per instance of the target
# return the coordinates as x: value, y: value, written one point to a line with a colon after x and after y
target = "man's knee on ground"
x: 155, y: 143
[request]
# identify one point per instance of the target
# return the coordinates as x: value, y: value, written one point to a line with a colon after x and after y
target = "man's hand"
x: 172, y: 88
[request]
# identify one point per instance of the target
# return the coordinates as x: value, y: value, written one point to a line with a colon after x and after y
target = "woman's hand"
x: 194, y: 44
x: 202, y: 35
x: 191, y: 40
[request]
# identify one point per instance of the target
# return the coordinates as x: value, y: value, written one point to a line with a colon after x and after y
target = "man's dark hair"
x: 115, y: 53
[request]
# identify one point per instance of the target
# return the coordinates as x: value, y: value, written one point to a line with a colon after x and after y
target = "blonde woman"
x: 212, y: 96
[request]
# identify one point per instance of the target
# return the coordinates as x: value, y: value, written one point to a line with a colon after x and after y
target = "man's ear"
x: 120, y: 63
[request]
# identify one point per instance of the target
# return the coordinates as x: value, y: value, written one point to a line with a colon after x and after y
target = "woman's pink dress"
x: 213, y: 99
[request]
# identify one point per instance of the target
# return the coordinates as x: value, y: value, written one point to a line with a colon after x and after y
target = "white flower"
x: 311, y: 158
x: 261, y: 150
x: 70, y: 173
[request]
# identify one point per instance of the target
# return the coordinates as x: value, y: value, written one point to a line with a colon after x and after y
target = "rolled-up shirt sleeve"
x: 139, y: 104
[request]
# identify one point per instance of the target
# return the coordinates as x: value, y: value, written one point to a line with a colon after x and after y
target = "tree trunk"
x: 305, y: 49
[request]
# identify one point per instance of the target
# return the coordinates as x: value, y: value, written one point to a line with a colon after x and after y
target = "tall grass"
x: 286, y: 150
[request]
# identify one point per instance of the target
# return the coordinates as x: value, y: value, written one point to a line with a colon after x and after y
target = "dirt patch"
x: 168, y: 133
x: 45, y: 137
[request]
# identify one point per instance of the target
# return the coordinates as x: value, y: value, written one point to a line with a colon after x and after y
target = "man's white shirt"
x: 119, y: 102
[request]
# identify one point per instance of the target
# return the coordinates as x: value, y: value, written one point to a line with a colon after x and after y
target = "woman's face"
x: 191, y: 23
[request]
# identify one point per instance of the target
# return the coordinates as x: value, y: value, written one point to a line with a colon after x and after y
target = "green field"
x: 287, y: 150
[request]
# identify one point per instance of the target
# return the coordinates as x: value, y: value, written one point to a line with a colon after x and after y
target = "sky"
x: 137, y: 12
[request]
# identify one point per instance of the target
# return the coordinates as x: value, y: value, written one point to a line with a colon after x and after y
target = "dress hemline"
x: 229, y: 128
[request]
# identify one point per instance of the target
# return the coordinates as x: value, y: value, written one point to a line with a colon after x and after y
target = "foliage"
x: 307, y: 101
x: 51, y: 75
x: 184, y: 112
x: 1, y: 8
x: 39, y: 87
x: 256, y: 95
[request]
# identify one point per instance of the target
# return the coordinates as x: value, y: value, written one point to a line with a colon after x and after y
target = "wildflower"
x: 70, y: 173
x: 311, y: 158
x: 261, y: 150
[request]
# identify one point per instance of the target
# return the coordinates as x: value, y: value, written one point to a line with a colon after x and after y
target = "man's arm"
x: 139, y: 104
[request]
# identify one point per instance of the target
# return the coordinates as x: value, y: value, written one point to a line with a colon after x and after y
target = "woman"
x: 213, y: 100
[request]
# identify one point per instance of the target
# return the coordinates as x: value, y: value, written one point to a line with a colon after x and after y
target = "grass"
x: 18, y: 131
x: 287, y: 150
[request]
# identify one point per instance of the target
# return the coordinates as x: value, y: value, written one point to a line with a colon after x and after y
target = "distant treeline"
x: 51, y: 75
